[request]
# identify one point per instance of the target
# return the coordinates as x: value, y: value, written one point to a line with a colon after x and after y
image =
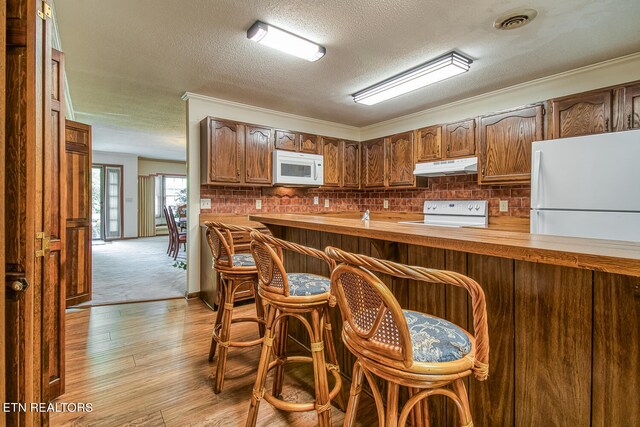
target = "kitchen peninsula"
x: 562, y: 312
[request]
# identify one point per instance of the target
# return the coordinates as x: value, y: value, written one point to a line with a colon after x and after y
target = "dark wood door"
x: 374, y: 168
x: 53, y: 290
x: 505, y: 144
x: 351, y: 165
x: 632, y: 107
x: 3, y: 74
x: 28, y: 257
x: 460, y: 139
x: 285, y: 140
x: 257, y: 155
x: 428, y: 143
x: 583, y: 114
x: 309, y: 143
x: 331, y: 149
x: 225, y: 151
x: 401, y: 160
x: 78, y: 219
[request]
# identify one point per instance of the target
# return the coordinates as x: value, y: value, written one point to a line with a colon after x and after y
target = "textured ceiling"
x: 128, y: 62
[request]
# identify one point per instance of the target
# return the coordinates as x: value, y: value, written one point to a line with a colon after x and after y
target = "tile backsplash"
x: 242, y: 200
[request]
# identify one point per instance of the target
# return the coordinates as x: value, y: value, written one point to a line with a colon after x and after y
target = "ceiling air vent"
x: 515, y: 19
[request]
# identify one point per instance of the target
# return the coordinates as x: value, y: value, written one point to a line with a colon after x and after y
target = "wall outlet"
x: 385, y: 204
x: 258, y: 204
x: 326, y: 203
x: 316, y: 200
x: 205, y: 203
x: 504, y: 206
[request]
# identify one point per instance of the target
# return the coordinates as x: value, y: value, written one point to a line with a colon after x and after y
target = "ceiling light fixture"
x: 441, y: 68
x: 285, y: 41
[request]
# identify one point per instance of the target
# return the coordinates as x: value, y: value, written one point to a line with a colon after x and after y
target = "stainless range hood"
x: 447, y: 167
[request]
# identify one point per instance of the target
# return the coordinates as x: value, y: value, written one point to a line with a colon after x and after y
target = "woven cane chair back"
x: 358, y: 291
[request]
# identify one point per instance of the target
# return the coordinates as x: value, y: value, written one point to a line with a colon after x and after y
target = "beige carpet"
x: 135, y: 270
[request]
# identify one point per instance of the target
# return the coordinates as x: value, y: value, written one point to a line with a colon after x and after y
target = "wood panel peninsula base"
x: 564, y: 313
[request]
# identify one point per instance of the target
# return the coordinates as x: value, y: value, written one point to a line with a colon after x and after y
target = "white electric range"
x: 454, y: 213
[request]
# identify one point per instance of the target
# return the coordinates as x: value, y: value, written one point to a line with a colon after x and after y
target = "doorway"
x: 106, y: 202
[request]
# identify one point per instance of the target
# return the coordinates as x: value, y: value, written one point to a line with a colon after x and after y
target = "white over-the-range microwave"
x: 300, y: 169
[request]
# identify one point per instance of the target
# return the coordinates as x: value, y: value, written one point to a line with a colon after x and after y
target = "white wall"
x: 148, y: 167
x: 608, y: 73
x: 129, y: 165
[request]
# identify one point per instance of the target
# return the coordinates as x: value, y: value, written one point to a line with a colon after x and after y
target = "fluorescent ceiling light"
x: 446, y: 66
x: 284, y: 41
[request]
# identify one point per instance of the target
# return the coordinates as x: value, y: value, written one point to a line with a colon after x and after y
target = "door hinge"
x: 44, y: 247
x: 544, y: 111
x: 45, y: 12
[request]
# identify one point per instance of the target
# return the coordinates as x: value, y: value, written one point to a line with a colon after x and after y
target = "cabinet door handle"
x: 238, y: 173
x: 628, y: 121
x: 606, y: 125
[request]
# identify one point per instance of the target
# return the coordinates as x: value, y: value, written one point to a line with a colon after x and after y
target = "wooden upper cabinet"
x: 505, y: 144
x: 374, y: 164
x: 235, y: 153
x: 257, y: 155
x: 582, y: 114
x: 460, y: 139
x: 351, y: 165
x: 332, y: 153
x: 221, y: 140
x: 309, y: 143
x: 428, y: 142
x: 632, y: 107
x: 400, y: 159
x: 286, y: 140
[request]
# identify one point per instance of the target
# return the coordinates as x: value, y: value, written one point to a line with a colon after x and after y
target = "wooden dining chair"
x: 177, y: 238
x: 428, y: 355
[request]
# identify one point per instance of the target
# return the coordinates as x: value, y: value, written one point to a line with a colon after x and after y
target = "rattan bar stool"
x: 427, y: 354
x: 235, y: 270
x: 293, y: 295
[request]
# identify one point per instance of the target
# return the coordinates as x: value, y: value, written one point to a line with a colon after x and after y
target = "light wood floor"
x: 146, y: 364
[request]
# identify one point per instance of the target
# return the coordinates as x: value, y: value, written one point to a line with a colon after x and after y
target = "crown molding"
x: 250, y: 108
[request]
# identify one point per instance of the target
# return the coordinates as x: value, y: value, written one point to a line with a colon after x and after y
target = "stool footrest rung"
x: 306, y: 406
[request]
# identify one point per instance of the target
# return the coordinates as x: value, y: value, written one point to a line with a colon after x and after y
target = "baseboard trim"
x: 191, y: 295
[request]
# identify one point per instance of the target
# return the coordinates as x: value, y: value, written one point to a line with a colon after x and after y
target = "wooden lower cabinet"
x: 553, y: 344
x: 616, y: 353
x: 564, y: 342
x: 505, y: 144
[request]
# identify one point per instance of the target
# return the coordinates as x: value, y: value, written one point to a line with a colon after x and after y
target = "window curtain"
x: 146, y: 206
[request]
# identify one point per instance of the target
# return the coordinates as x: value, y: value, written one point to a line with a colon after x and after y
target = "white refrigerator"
x: 587, y: 186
